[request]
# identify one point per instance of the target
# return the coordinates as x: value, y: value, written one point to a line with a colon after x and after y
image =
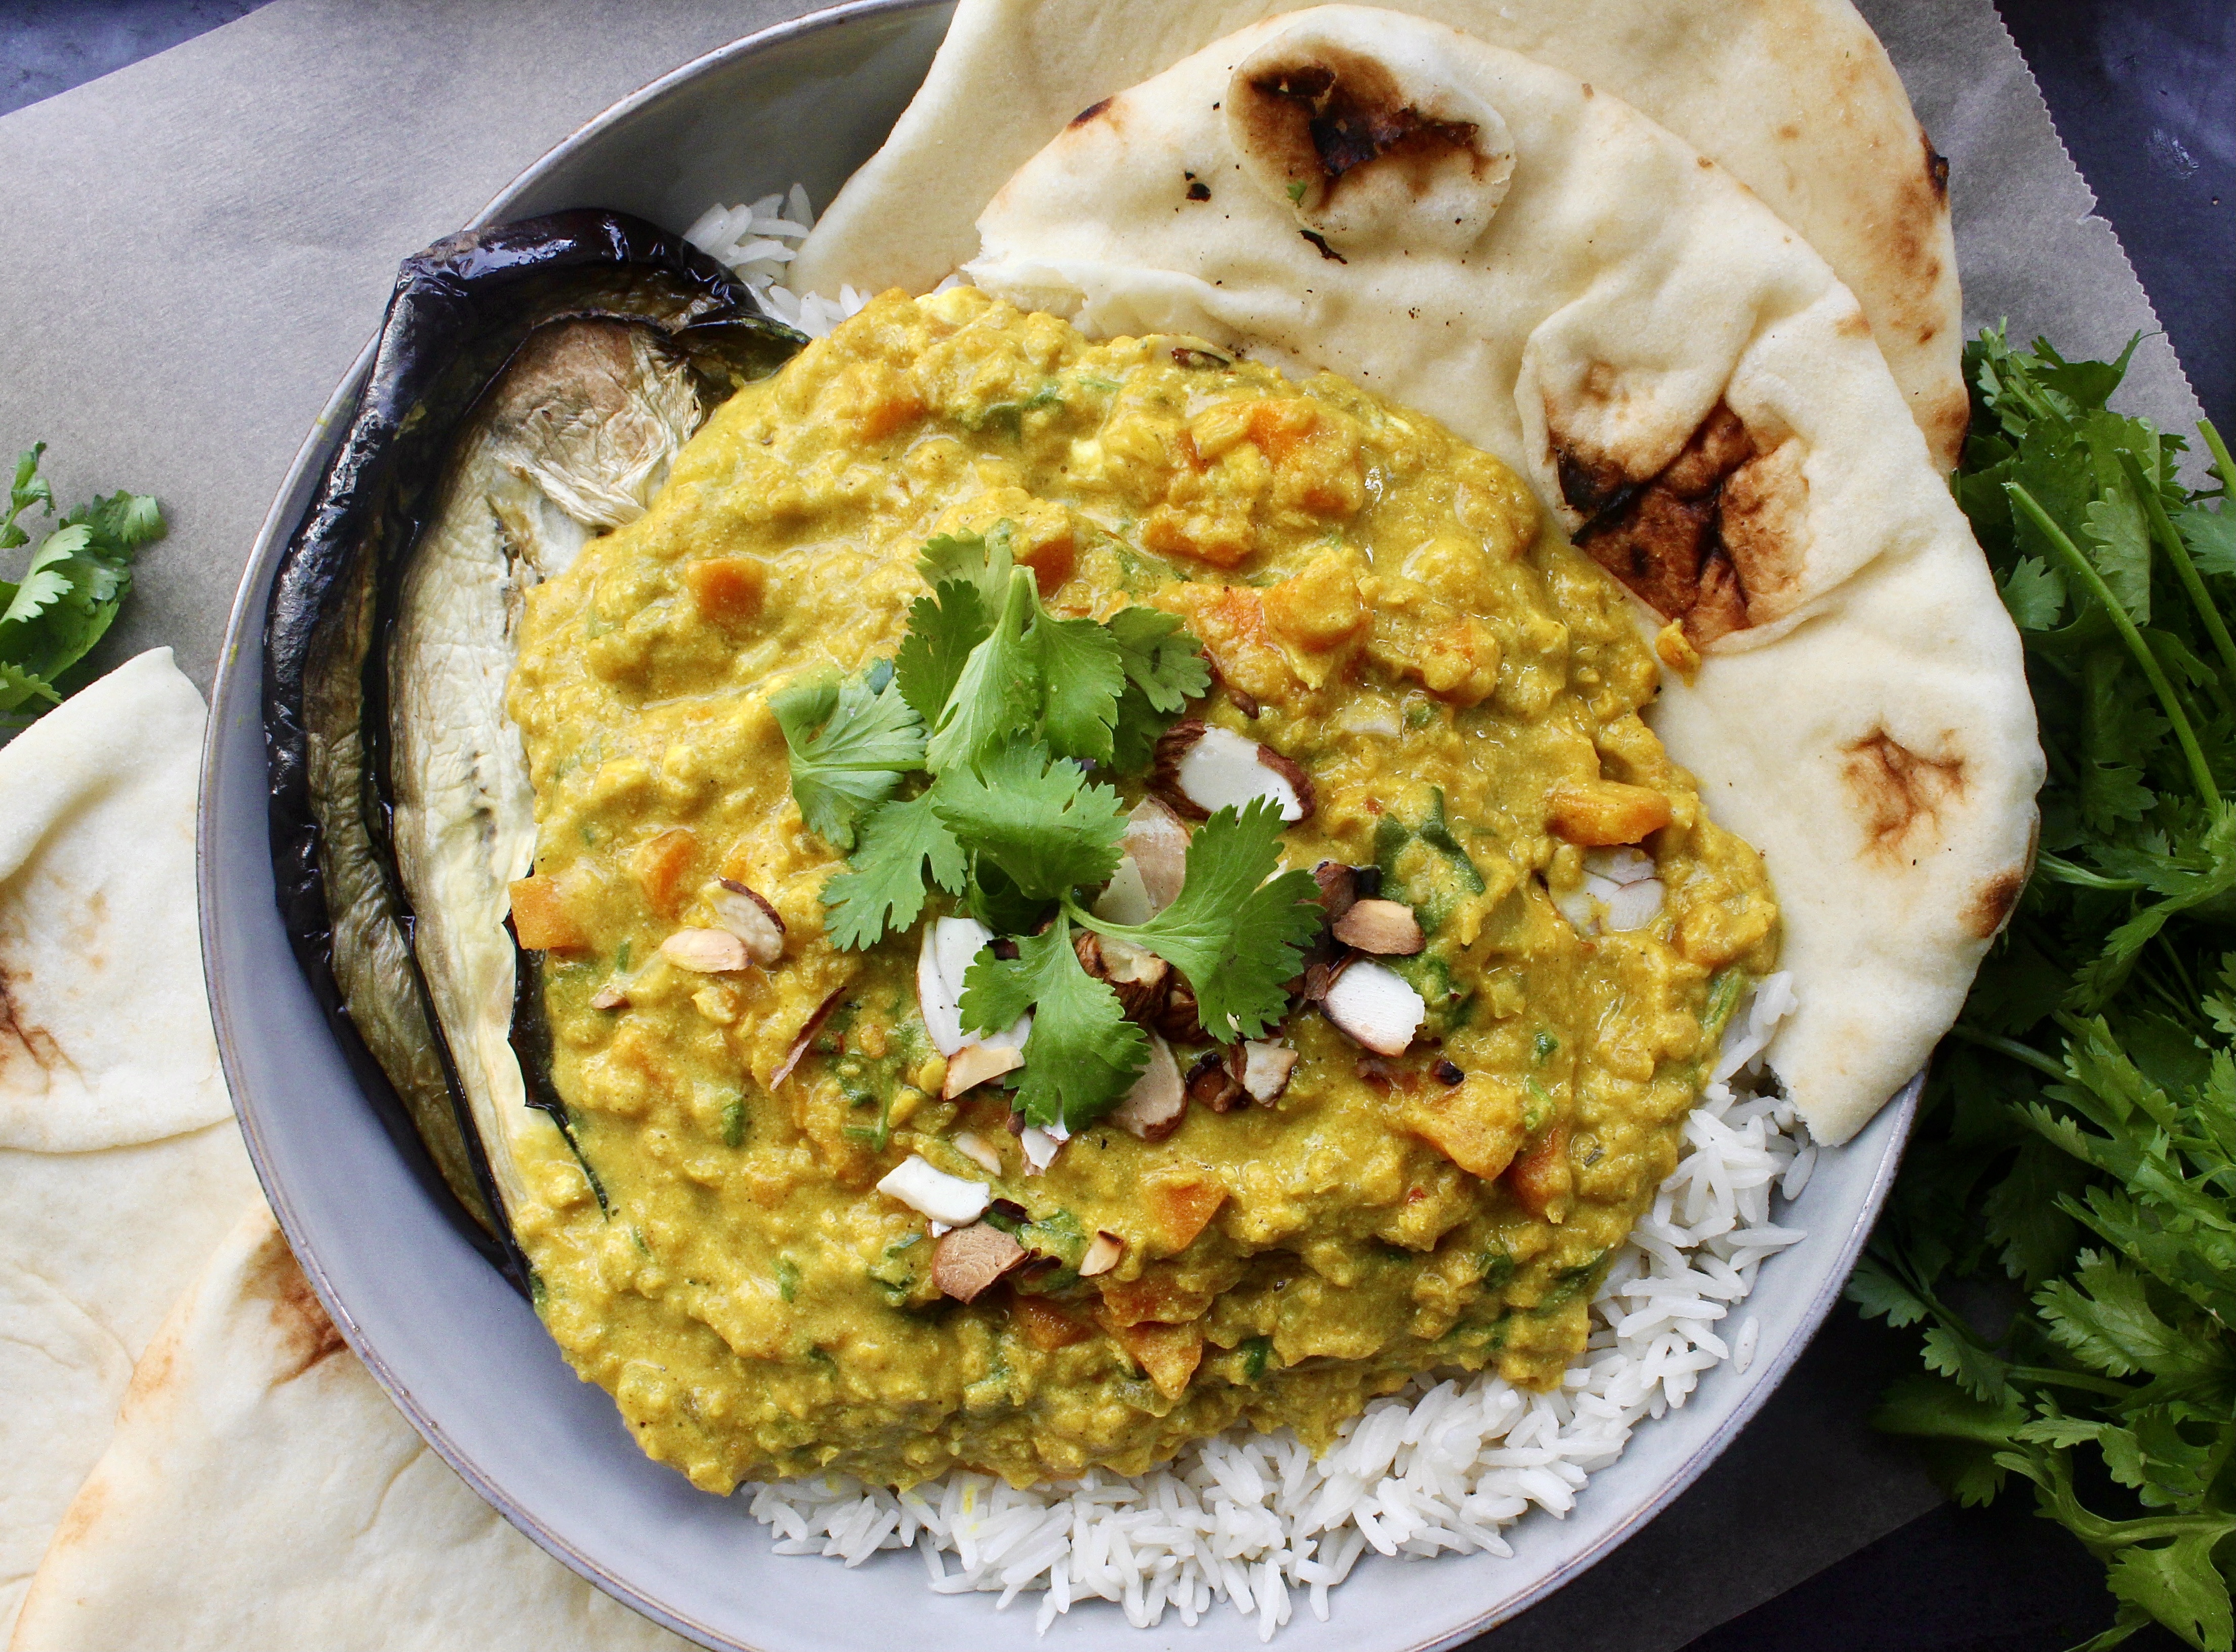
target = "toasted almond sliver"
x: 705, y: 951
x: 1385, y: 927
x: 975, y: 1148
x: 1102, y: 1253
x: 1155, y: 1108
x: 1266, y: 1068
x: 970, y: 1258
x: 748, y: 915
x: 973, y: 1064
x: 1376, y: 1006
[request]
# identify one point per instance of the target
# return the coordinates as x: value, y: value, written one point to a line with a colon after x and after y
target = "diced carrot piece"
x: 1182, y: 1209
x: 1155, y: 1295
x: 728, y: 588
x: 663, y: 867
x: 1051, y: 559
x: 540, y: 917
x: 1170, y: 1353
x: 1598, y: 813
x: 1280, y: 426
x: 1540, y: 1180
x: 1044, y: 1325
x: 881, y: 400
x: 1223, y: 539
x: 1478, y: 1127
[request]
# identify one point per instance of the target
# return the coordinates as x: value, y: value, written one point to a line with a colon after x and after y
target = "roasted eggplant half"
x: 531, y: 385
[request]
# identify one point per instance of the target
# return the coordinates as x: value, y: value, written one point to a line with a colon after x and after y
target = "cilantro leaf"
x: 1165, y: 670
x: 943, y: 628
x: 70, y: 593
x: 997, y: 691
x: 1083, y: 674
x: 1237, y: 933
x: 1082, y: 1054
x: 850, y: 745
x: 981, y: 561
x: 1163, y: 660
x: 28, y: 489
x: 2078, y: 1135
x: 1036, y: 816
x: 883, y: 886
x: 2033, y: 594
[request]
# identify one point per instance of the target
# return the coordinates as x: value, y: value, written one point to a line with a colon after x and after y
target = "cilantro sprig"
x: 76, y: 579
x: 2063, y: 1235
x: 964, y: 765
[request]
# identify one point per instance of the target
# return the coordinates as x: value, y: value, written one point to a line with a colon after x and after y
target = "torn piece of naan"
x: 1797, y: 99
x: 1687, y: 385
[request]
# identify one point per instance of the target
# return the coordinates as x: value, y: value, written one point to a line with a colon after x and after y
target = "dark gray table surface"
x: 2144, y: 93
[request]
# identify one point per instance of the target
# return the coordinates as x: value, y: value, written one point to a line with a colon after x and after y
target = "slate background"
x: 2144, y: 94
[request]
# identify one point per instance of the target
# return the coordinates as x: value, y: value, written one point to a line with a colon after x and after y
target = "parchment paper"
x: 202, y: 243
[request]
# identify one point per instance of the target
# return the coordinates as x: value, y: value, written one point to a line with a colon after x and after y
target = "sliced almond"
x: 1138, y: 974
x: 1339, y: 888
x: 939, y: 989
x: 973, y: 1064
x: 1376, y: 1007
x: 1102, y: 1253
x: 1199, y: 769
x: 978, y: 1150
x: 930, y: 1191
x: 967, y: 1261
x: 1386, y: 928
x: 805, y: 1036
x: 705, y: 951
x: 1157, y: 840
x: 748, y: 916
x: 1177, y: 1018
x: 1215, y: 1081
x: 1153, y: 1109
x: 1040, y: 1147
x: 1266, y: 1068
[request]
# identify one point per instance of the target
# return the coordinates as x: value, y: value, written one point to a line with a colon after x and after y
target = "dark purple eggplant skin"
x: 459, y: 312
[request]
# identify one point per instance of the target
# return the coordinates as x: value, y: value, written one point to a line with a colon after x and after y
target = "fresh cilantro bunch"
x: 76, y: 579
x: 990, y: 716
x: 2064, y: 1230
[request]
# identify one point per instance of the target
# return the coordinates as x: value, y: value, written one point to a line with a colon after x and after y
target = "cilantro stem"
x: 2162, y: 529
x: 2223, y: 466
x: 2200, y: 773
x: 2065, y: 872
x: 2010, y: 1047
x: 2069, y: 1379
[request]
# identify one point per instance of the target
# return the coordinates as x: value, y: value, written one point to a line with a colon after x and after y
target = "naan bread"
x: 261, y: 1491
x: 1795, y: 98
x: 120, y: 1162
x: 1687, y: 383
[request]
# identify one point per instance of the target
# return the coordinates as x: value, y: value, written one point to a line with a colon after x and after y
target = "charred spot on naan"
x: 1353, y: 118
x: 1362, y: 151
x: 1713, y: 539
x: 307, y: 1336
x: 23, y: 1043
x: 1899, y: 795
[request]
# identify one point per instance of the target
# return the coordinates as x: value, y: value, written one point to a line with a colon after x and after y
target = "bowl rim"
x: 244, y: 625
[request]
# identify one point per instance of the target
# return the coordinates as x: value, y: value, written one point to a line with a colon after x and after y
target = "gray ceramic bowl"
x: 465, y: 1358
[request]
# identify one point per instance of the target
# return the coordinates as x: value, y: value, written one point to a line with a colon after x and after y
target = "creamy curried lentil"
x: 1382, y: 605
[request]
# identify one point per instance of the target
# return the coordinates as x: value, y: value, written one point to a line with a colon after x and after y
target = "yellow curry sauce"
x: 1464, y: 689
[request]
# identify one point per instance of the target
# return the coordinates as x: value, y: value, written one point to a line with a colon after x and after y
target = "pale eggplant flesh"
x: 531, y: 385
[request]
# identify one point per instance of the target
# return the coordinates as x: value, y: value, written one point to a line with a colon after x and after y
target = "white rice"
x: 1253, y: 1520
x: 757, y: 242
